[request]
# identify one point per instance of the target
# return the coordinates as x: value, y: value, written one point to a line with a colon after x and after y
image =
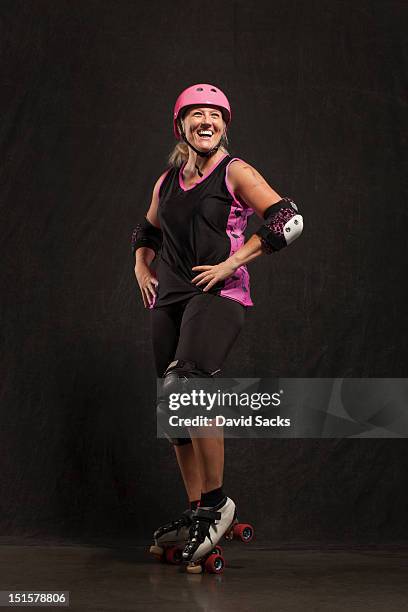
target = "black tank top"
x: 202, y: 225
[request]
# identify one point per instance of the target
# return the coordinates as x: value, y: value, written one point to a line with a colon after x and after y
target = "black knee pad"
x: 180, y: 441
x: 186, y: 370
x: 178, y: 378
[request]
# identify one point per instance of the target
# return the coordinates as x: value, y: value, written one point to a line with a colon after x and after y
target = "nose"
x: 206, y: 120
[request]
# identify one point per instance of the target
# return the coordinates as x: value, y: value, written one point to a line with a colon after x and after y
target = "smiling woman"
x: 179, y: 154
x: 198, y: 299
x: 184, y: 115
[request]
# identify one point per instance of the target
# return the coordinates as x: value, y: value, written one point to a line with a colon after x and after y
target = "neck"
x: 196, y: 164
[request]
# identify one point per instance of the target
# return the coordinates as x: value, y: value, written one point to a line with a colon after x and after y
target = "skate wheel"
x: 214, y: 564
x: 243, y: 532
x: 173, y: 555
x: 217, y: 550
x: 194, y: 568
x: 157, y: 552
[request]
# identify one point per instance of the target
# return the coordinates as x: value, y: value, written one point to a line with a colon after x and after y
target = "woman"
x: 198, y: 299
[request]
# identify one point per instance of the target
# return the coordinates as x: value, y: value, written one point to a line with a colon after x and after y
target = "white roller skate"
x: 170, y: 539
x: 209, y: 525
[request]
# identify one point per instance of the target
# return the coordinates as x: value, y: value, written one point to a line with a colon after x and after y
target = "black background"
x: 318, y: 94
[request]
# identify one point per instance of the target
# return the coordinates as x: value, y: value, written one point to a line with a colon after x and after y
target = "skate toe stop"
x: 194, y: 569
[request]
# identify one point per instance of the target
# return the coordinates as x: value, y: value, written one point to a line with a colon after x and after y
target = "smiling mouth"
x: 205, y: 134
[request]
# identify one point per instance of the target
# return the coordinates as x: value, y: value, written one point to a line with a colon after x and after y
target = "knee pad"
x: 180, y: 372
x: 179, y: 441
x: 178, y: 378
x: 283, y: 224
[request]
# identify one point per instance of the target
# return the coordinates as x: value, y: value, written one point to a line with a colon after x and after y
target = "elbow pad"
x: 146, y: 235
x: 283, y: 224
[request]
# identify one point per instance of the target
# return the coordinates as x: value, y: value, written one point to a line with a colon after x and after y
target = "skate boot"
x: 170, y: 539
x: 208, y: 526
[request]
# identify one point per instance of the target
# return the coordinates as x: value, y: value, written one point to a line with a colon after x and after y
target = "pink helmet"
x: 204, y: 94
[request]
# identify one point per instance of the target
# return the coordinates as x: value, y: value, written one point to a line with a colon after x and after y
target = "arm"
x: 148, y: 231
x: 282, y: 223
x: 251, y: 189
x: 146, y: 240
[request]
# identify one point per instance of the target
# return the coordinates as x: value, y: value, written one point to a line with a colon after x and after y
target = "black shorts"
x: 201, y: 329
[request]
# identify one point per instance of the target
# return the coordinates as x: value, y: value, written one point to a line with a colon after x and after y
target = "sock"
x: 194, y: 504
x: 212, y: 498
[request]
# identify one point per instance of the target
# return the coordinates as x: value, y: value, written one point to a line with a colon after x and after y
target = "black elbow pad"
x: 146, y: 235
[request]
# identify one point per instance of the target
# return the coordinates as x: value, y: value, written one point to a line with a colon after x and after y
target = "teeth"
x: 205, y: 133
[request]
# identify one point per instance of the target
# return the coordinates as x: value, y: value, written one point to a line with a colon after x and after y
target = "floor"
x: 119, y: 578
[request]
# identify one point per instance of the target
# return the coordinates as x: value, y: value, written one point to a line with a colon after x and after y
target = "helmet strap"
x: 200, y: 153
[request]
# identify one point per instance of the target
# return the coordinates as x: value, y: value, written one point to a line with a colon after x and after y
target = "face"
x: 204, y: 126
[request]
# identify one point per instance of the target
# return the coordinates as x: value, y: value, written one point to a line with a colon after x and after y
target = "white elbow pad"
x: 283, y: 224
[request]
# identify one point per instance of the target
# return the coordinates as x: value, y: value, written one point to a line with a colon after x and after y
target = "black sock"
x: 212, y: 498
x: 194, y: 504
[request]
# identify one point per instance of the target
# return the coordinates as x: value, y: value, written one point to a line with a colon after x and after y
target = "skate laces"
x: 183, y: 521
x: 177, y: 524
x: 200, y: 528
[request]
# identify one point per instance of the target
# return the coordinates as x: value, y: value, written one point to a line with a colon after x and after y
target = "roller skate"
x: 170, y: 539
x: 202, y: 552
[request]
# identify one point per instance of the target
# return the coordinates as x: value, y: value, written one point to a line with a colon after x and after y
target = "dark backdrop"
x: 318, y: 95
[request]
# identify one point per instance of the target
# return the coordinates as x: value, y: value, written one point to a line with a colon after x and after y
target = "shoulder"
x: 154, y: 204
x: 159, y: 183
x: 250, y: 186
x: 240, y: 173
x: 243, y: 177
x: 161, y: 179
x: 234, y: 171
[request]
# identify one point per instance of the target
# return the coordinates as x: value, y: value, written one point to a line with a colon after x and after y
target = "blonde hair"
x: 179, y: 154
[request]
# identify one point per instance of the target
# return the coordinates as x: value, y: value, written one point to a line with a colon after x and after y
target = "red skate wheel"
x: 173, y: 555
x: 217, y: 550
x: 243, y: 532
x: 214, y: 564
